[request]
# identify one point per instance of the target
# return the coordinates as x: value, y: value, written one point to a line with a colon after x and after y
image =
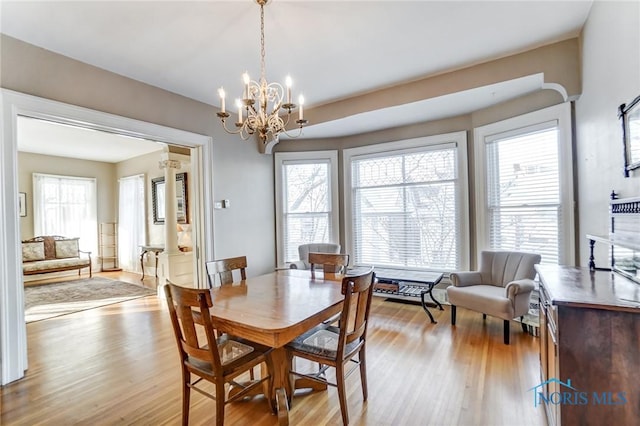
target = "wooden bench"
x: 44, y: 254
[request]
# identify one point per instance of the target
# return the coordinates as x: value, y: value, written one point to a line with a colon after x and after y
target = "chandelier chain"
x: 262, y: 50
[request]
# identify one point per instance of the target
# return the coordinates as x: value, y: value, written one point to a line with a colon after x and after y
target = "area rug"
x: 52, y: 300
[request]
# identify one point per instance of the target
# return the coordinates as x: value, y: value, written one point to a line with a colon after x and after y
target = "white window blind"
x: 405, y: 208
x: 307, y: 204
x: 524, y: 191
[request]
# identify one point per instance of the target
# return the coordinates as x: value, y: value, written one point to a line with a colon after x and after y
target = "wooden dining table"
x: 273, y: 309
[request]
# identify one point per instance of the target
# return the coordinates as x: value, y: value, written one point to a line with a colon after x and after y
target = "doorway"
x: 13, y: 351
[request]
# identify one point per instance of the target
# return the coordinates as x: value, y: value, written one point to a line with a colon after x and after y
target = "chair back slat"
x: 357, y: 292
x: 224, y: 268
x: 189, y: 310
x: 332, y: 263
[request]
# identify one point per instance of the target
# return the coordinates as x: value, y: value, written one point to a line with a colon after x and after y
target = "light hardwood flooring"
x: 119, y: 365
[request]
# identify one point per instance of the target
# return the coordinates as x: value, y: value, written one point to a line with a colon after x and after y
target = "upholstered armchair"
x: 305, y: 249
x: 501, y: 288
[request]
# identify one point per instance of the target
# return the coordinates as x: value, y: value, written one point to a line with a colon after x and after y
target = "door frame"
x: 13, y: 338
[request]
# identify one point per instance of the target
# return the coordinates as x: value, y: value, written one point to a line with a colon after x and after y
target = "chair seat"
x: 321, y: 341
x: 488, y: 299
x: 233, y: 352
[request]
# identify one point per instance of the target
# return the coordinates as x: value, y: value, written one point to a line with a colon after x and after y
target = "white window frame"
x: 280, y: 158
x: 90, y: 240
x: 388, y: 148
x: 560, y: 113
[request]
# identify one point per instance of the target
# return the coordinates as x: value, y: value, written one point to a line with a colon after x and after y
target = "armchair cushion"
x: 487, y: 299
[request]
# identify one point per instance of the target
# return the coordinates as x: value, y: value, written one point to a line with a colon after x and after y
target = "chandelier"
x: 254, y: 116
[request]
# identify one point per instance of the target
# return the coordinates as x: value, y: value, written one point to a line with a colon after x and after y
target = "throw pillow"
x: 32, y: 251
x: 66, y: 248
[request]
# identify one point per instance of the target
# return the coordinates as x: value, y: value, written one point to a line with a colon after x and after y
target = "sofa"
x: 53, y: 253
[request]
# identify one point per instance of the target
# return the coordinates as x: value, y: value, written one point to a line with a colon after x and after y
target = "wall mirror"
x: 630, y: 116
x: 157, y: 193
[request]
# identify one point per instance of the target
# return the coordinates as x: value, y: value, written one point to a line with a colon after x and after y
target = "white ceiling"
x: 60, y: 140
x: 333, y: 49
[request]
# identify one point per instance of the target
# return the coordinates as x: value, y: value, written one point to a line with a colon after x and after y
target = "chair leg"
x: 342, y: 394
x: 453, y: 315
x: 484, y: 317
x: 524, y: 326
x: 506, y: 332
x: 363, y: 373
x: 220, y: 402
x: 186, y: 397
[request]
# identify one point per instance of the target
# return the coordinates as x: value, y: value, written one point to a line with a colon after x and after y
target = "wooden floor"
x: 119, y: 365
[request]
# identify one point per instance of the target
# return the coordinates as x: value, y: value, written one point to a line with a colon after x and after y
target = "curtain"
x: 66, y: 206
x: 131, y: 222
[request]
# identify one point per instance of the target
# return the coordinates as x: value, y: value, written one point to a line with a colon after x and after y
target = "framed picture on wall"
x: 630, y: 116
x: 157, y: 194
x: 22, y: 204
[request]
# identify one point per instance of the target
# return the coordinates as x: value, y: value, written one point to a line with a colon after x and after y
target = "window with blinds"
x: 405, y: 208
x: 524, y: 192
x: 307, y: 204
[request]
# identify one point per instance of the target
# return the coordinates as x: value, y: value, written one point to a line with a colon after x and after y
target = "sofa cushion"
x: 66, y: 248
x: 32, y: 251
x: 55, y: 264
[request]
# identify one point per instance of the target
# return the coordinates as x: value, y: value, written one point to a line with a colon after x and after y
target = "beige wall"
x: 559, y: 62
x: 240, y: 173
x: 611, y: 76
x: 35, y: 163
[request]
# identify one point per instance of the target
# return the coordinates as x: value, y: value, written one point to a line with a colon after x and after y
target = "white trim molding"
x: 308, y: 156
x: 560, y: 114
x: 13, y: 345
x: 457, y: 138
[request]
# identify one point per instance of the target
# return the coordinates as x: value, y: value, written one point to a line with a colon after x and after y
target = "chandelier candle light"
x: 267, y: 124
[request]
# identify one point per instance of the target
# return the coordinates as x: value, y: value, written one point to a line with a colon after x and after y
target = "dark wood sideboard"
x: 589, y: 346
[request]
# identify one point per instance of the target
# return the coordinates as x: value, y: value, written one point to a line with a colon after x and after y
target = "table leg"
x: 155, y: 253
x: 282, y: 385
x: 424, y: 304
x: 433, y: 298
x: 283, y: 407
x: 142, y: 263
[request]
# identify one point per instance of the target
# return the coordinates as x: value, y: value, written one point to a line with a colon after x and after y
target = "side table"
x: 146, y: 249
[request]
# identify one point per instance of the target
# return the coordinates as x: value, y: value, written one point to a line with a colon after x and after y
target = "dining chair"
x: 334, y: 263
x: 217, y: 360
x: 336, y: 347
x: 224, y: 268
x: 305, y: 249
